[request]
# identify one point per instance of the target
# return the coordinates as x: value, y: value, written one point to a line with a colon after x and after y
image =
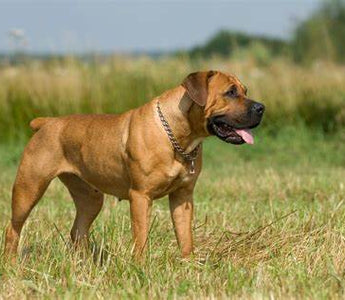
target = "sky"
x: 127, y: 26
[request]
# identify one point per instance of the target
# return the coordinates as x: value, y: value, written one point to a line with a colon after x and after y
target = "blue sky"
x: 79, y: 26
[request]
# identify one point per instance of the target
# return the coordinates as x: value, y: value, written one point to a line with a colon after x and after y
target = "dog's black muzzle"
x: 224, y: 126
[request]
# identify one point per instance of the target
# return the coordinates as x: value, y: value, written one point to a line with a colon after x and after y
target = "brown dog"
x: 141, y: 155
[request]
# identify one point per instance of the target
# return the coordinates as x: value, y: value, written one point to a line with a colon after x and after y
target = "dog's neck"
x: 184, y: 117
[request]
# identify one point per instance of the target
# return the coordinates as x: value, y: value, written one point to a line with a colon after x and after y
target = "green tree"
x: 225, y: 43
x: 322, y: 36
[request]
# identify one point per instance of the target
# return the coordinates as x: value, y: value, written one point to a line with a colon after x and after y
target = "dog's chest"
x: 174, y: 177
x: 181, y: 174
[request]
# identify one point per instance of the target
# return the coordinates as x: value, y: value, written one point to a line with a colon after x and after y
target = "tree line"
x: 319, y: 37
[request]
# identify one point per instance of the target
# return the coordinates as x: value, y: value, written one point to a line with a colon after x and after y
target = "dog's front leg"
x: 140, y: 206
x: 181, y: 208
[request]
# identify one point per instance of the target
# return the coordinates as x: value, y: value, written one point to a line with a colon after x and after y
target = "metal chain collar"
x: 187, y: 156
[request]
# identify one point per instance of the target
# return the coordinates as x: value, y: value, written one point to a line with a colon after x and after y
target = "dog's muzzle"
x: 236, y: 130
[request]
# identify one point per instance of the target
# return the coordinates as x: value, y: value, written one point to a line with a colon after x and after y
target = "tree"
x: 322, y: 36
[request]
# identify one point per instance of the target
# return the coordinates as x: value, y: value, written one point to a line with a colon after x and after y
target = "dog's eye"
x: 232, y: 93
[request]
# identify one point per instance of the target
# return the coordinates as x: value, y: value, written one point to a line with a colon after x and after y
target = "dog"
x: 140, y: 155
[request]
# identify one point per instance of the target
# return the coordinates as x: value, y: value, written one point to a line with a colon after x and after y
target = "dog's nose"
x: 258, y: 108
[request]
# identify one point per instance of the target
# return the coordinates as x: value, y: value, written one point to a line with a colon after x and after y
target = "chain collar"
x: 191, y: 156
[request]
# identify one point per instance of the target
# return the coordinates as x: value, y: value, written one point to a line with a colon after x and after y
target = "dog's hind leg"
x: 33, y: 177
x: 88, y: 203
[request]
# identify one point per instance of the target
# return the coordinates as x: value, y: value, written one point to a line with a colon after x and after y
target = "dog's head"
x: 228, y: 112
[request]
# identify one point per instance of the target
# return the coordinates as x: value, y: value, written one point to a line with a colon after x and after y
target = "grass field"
x: 269, y: 218
x: 313, y: 96
x: 269, y: 223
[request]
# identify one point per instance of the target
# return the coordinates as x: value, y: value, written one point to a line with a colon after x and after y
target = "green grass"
x: 269, y: 222
x: 311, y: 96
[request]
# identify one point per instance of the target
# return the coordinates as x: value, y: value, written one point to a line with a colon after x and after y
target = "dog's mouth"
x: 229, y: 133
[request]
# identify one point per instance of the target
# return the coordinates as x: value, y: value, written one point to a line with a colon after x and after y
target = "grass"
x: 269, y: 223
x: 268, y: 219
x: 312, y: 96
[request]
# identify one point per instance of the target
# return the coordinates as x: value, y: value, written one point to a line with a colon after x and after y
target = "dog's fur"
x: 128, y: 156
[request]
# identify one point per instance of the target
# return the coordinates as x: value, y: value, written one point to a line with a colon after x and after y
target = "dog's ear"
x: 196, y: 85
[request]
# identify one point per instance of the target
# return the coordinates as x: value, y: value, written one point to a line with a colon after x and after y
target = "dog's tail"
x: 37, y: 123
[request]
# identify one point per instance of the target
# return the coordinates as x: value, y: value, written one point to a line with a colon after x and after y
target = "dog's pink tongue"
x: 246, y: 135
